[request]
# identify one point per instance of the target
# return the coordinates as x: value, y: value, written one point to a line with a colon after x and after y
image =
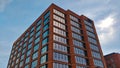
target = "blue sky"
x: 17, y: 15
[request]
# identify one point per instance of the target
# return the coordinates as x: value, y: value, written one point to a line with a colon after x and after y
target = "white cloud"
x: 3, y: 4
x: 106, y: 29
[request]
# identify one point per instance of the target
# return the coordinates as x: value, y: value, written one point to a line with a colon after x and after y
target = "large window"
x: 79, y: 51
x: 46, y: 27
x: 31, y: 39
x: 89, y: 28
x: 47, y: 14
x: 94, y: 47
x: 43, y: 59
x: 44, y: 49
x: 58, y: 31
x: 91, y: 34
x: 76, y: 36
x: 34, y: 64
x: 35, y: 55
x: 58, y: 18
x: 78, y: 43
x: 21, y: 63
x: 31, y: 34
x: 87, y: 23
x: 28, y: 52
x: 60, y: 57
x: 76, y: 30
x: 96, y: 55
x: 58, y: 65
x: 37, y: 34
x: 46, y: 20
x: 58, y: 13
x: 38, y: 28
x: 74, y: 23
x: 39, y: 22
x: 36, y: 47
x: 45, y: 34
x: 80, y: 60
x: 74, y: 18
x: 29, y: 46
x: 92, y: 40
x: 59, y: 47
x: 59, y: 39
x: 37, y: 40
x: 55, y: 23
x: 44, y: 41
x: 98, y: 63
x: 27, y: 60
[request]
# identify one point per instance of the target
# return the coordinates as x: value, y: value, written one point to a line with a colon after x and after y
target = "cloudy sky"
x: 17, y: 15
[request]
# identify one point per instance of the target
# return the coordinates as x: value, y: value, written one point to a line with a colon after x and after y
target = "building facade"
x: 58, y: 39
x: 113, y: 60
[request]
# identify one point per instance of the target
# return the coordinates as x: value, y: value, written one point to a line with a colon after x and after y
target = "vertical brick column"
x: 70, y: 42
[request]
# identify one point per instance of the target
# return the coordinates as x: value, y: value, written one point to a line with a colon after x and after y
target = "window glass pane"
x: 31, y: 39
x: 36, y: 47
x: 58, y: 13
x: 60, y: 57
x: 43, y: 59
x: 44, y: 49
x: 46, y: 27
x: 76, y: 30
x: 46, y: 20
x: 76, y: 36
x: 34, y: 64
x: 37, y: 34
x: 58, y: 24
x: 59, y: 47
x: 96, y: 55
x: 38, y: 28
x: 35, y: 55
x: 59, y: 39
x: 29, y: 46
x: 98, y: 63
x: 22, y: 57
x: 21, y: 63
x: 23, y: 51
x: 39, y: 22
x: 91, y: 34
x: 37, y: 40
x: 27, y: 66
x: 78, y: 43
x: 74, y: 18
x: 59, y: 31
x: 79, y: 51
x: 87, y: 23
x: 47, y: 14
x: 28, y: 52
x: 94, y: 47
x: 31, y: 34
x: 27, y: 60
x: 45, y: 34
x: 80, y: 60
x: 89, y: 28
x: 74, y: 23
x: 59, y: 19
x: 92, y: 40
x: 44, y: 41
x: 32, y: 29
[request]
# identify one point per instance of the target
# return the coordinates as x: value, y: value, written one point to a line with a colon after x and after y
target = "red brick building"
x: 58, y: 39
x: 113, y: 60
